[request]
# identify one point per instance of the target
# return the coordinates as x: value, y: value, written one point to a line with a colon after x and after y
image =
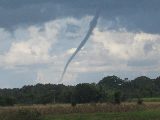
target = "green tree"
x: 85, y: 93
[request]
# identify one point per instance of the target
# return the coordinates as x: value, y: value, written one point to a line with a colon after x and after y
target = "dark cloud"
x: 10, y: 4
x: 135, y: 15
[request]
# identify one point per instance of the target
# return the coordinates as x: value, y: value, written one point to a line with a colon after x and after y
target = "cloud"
x: 35, y: 44
x: 125, y: 13
x: 52, y: 75
x: 71, y: 51
x: 31, y: 45
x: 116, y: 52
x: 45, y: 48
x: 124, y: 45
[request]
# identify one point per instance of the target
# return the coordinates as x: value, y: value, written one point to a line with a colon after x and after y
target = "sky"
x: 37, y: 37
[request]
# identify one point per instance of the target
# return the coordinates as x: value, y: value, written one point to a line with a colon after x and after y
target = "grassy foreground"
x: 105, y: 111
x: 137, y: 115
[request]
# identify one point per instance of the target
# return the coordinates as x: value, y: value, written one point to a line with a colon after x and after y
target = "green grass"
x: 148, y: 99
x: 151, y: 99
x: 138, y: 115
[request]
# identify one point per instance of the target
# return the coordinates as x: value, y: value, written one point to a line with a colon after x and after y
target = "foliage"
x: 21, y: 114
x: 104, y: 91
x: 140, y: 101
x: 73, y: 103
x: 9, y: 101
x: 117, y: 97
x: 85, y: 93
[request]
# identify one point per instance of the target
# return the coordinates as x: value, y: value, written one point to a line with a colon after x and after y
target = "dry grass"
x: 82, y: 108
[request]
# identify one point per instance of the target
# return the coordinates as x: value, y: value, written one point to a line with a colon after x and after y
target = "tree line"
x: 109, y: 89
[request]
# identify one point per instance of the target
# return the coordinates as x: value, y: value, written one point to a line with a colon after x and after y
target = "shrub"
x: 27, y: 115
x: 117, y: 97
x: 73, y: 103
x: 21, y: 114
x: 140, y: 101
x: 93, y: 104
x: 7, y: 101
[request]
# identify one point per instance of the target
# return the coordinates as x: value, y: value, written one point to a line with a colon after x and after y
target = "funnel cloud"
x: 93, y: 24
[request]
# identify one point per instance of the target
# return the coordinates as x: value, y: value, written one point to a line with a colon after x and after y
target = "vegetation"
x: 109, y: 89
x: 21, y: 114
x: 124, y: 111
x: 138, y: 115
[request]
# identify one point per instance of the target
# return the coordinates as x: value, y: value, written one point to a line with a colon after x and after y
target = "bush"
x: 93, y: 104
x: 73, y: 103
x: 27, y: 115
x: 140, y: 101
x: 117, y: 97
x: 7, y: 101
x: 21, y: 114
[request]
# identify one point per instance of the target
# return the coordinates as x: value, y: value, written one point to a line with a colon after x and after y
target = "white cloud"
x: 71, y: 51
x: 126, y: 45
x: 52, y: 75
x: 146, y: 37
x: 106, y: 51
x: 32, y: 45
x: 111, y: 51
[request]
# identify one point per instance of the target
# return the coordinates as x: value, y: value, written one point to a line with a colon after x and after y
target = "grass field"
x: 148, y: 100
x: 105, y: 111
x: 136, y: 115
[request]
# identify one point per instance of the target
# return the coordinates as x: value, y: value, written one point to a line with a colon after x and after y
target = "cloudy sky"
x: 37, y: 37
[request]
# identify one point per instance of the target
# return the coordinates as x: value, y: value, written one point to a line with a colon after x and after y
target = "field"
x: 138, y: 115
x: 148, y: 100
x: 105, y: 111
